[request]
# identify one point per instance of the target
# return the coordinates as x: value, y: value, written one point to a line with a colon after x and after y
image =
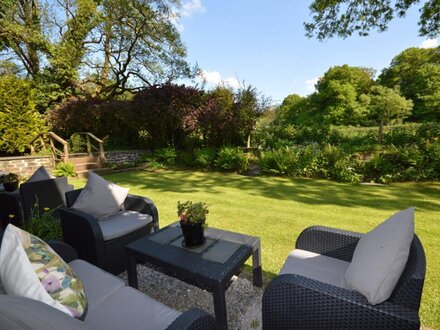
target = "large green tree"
x: 104, y: 47
x: 387, y: 105
x: 251, y: 105
x: 340, y: 95
x: 416, y: 72
x: 289, y: 112
x: 139, y: 44
x: 344, y: 17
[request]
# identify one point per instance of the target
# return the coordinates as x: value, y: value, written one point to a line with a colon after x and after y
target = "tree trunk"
x: 380, y: 133
x: 106, y: 66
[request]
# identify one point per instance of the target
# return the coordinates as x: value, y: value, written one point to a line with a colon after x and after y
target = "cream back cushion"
x: 380, y: 258
x: 30, y: 268
x: 100, y: 198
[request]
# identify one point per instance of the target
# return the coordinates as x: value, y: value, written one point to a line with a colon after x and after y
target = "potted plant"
x: 10, y: 181
x: 192, y: 221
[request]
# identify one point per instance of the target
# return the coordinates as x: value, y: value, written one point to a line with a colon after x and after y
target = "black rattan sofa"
x: 89, y: 238
x: 16, y: 207
x: 111, y: 305
x: 293, y: 301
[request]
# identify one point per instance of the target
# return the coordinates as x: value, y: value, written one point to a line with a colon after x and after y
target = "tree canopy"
x: 92, y: 47
x: 386, y: 105
x: 340, y: 97
x: 347, y: 95
x: 416, y: 72
x: 344, y: 17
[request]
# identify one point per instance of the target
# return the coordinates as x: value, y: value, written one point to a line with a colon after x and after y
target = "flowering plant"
x: 190, y: 212
x: 45, y: 223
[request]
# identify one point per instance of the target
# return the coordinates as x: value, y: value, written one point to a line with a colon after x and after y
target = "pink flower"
x: 51, y: 283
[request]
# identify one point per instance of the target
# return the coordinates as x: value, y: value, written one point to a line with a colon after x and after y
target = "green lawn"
x: 278, y: 209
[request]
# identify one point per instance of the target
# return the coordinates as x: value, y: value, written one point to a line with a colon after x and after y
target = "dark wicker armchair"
x: 91, y: 240
x: 293, y: 301
x: 16, y: 207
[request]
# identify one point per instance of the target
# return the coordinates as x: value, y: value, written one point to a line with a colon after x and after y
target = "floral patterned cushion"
x: 30, y: 268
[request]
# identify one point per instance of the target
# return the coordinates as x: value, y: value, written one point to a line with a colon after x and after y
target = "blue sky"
x: 263, y: 44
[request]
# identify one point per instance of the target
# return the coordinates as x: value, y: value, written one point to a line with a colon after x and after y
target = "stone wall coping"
x: 49, y: 157
x: 24, y: 157
x: 124, y: 151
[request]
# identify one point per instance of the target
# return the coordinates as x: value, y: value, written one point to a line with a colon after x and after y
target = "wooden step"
x: 106, y: 170
x: 83, y: 159
x: 87, y: 166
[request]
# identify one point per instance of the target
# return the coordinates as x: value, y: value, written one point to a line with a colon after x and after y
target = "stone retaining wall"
x: 123, y: 156
x: 25, y: 165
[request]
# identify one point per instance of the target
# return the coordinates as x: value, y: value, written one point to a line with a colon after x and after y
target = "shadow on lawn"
x: 307, y: 191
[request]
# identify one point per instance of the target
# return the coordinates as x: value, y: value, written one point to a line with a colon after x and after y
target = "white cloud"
x: 191, y: 7
x: 215, y: 78
x: 188, y: 9
x: 310, y: 84
x: 429, y: 43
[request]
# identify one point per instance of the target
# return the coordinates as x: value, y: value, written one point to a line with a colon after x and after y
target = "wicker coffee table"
x: 209, y: 266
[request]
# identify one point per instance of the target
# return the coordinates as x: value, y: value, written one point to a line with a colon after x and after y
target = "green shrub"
x: 308, y: 161
x: 186, y: 158
x: 165, y: 156
x: 121, y: 165
x: 77, y: 144
x: 160, y: 158
x: 205, y: 157
x: 65, y: 169
x: 19, y: 121
x: 329, y: 162
x: 232, y: 159
x: 408, y: 163
x: 337, y: 165
x: 428, y: 132
x: 279, y: 161
x: 400, y: 136
x: 144, y: 158
x: 431, y: 153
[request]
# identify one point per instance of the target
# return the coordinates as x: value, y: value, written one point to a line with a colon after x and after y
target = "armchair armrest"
x: 10, y: 204
x: 331, y: 242
x: 143, y: 205
x: 82, y: 231
x: 293, y: 301
x: 65, y: 251
x: 193, y: 319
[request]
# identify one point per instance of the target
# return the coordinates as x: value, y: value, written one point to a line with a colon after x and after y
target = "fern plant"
x: 65, y: 169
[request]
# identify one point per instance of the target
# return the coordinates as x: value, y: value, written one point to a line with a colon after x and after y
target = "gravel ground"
x: 243, y: 300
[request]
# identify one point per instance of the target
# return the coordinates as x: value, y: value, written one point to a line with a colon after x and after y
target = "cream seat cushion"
x: 315, y: 266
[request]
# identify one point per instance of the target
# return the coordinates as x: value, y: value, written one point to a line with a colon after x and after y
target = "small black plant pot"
x: 11, y: 186
x: 193, y: 233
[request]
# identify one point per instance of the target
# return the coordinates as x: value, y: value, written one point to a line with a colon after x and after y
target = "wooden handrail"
x: 65, y: 153
x: 57, y: 138
x: 52, y: 137
x: 90, y: 146
x: 91, y: 135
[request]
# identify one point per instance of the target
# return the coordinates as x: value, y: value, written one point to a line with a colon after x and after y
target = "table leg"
x: 257, y: 272
x: 220, y: 307
x: 132, y: 271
